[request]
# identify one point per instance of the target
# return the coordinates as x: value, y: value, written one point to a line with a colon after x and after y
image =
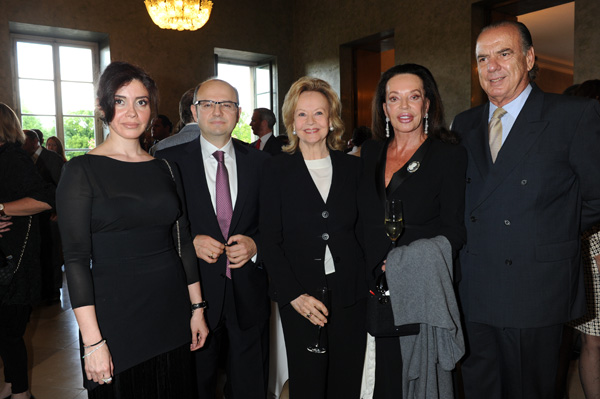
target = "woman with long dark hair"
x: 415, y: 159
x: 133, y: 304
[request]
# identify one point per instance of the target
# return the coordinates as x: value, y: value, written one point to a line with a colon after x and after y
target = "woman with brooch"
x: 415, y: 159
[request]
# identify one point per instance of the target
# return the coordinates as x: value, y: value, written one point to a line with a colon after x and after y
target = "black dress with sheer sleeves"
x: 120, y: 242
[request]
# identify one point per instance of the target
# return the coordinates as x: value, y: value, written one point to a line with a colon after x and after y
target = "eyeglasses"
x: 209, y: 105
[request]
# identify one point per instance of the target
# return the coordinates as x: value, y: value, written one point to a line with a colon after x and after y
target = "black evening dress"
x: 121, y: 216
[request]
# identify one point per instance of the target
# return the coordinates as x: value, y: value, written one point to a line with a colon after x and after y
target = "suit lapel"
x: 244, y: 180
x: 477, y: 140
x: 380, y: 171
x: 523, y: 135
x: 199, y: 188
x: 338, y: 178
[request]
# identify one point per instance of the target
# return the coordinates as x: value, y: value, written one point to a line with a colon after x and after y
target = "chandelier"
x: 179, y: 14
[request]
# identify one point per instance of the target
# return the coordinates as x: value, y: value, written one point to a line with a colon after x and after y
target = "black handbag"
x: 380, y: 317
x: 9, y: 267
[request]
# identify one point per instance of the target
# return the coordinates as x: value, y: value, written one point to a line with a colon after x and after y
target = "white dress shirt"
x: 512, y: 109
x: 264, y: 139
x: 210, y: 169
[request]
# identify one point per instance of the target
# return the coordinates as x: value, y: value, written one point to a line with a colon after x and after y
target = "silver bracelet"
x: 95, y: 349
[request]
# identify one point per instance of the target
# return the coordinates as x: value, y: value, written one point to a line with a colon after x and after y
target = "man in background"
x: 262, y: 122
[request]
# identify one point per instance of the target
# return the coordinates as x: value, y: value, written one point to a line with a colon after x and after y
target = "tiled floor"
x: 52, y: 342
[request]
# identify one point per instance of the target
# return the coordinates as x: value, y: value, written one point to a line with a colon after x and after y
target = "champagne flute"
x: 322, y: 294
x: 394, y: 218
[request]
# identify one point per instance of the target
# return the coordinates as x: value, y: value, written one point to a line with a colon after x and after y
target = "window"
x: 252, y: 75
x: 55, y: 87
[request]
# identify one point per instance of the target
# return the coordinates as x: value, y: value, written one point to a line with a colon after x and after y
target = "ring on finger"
x: 106, y: 380
x: 308, y: 315
x: 212, y: 255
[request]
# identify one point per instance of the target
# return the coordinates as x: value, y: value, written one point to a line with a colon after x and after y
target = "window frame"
x: 59, y: 116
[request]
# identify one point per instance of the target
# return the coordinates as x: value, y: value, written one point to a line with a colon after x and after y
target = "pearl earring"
x: 294, y: 132
x: 387, y: 127
x: 331, y: 128
x: 426, y: 123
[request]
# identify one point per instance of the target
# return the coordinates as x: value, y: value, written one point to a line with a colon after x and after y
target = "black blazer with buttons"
x: 432, y: 198
x: 521, y: 267
x: 296, y: 225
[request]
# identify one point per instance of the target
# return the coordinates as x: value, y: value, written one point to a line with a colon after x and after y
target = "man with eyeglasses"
x: 221, y: 179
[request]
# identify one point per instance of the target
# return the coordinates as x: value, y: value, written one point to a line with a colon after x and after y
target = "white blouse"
x: 321, y: 171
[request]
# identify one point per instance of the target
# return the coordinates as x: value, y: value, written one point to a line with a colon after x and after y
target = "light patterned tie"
x: 223, y: 198
x: 495, y: 129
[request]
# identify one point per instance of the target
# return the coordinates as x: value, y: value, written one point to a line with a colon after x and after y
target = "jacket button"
x: 473, y: 219
x: 325, y: 214
x: 508, y: 262
x: 325, y: 236
x: 468, y: 180
x: 523, y: 182
x: 507, y: 222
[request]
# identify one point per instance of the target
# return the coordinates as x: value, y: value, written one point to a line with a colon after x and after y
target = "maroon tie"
x: 257, y: 145
x: 223, y: 198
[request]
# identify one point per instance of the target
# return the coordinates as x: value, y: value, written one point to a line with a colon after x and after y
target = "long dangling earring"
x: 387, y: 127
x: 426, y: 124
x: 294, y: 132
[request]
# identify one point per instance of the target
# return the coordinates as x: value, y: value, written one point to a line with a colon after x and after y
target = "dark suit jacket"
x: 521, y: 266
x: 432, y: 198
x: 49, y: 165
x: 250, y: 281
x: 272, y: 146
x: 296, y: 225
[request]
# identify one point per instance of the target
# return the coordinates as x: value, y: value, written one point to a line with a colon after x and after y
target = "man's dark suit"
x: 272, y: 146
x: 249, y: 306
x: 521, y: 266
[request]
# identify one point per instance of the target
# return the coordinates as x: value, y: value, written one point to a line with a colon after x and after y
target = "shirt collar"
x: 208, y: 148
x: 514, y: 107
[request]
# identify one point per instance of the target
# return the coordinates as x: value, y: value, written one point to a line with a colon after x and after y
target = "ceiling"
x: 552, y: 30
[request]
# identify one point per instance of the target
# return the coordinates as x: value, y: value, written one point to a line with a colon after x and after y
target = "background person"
x: 133, y: 305
x: 262, y: 122
x: 190, y: 129
x: 589, y: 324
x: 308, y: 221
x: 54, y: 144
x: 22, y: 193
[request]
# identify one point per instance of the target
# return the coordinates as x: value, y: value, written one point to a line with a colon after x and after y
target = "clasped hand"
x: 239, y: 249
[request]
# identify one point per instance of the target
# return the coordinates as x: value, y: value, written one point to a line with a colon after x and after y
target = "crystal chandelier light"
x: 179, y: 14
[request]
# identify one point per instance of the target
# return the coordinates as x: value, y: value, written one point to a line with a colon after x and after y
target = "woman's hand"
x: 4, y: 223
x: 199, y: 329
x: 98, y: 365
x: 312, y: 309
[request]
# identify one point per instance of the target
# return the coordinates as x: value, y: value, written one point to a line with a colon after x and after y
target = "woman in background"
x: 133, y: 305
x: 22, y: 194
x: 589, y: 325
x: 54, y: 144
x: 308, y: 220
